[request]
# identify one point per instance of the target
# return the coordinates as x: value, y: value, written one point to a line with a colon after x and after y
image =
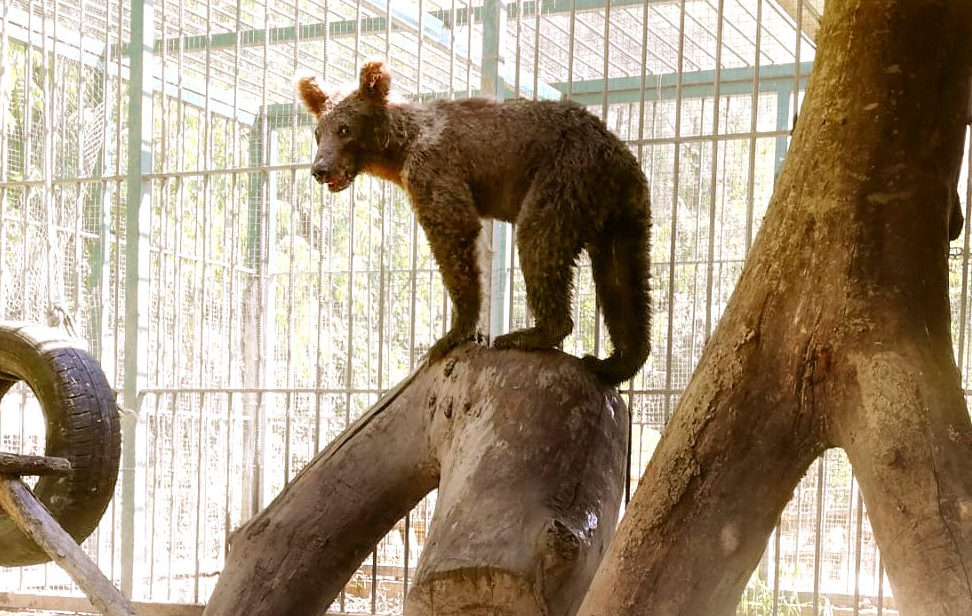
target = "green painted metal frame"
x: 783, y: 96
x: 695, y: 84
x: 623, y: 90
x: 137, y: 265
x: 494, y: 14
x: 434, y: 20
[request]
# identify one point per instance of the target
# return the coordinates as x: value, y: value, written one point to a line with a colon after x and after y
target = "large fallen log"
x: 528, y: 452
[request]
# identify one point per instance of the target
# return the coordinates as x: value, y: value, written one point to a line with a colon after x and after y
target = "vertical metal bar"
x: 48, y: 157
x: 265, y: 260
x: 710, y: 257
x: 231, y: 421
x: 383, y: 239
x: 374, y: 581
x: 200, y: 494
x: 857, y: 552
x: 137, y: 266
x: 28, y: 150
x: 674, y: 219
x: 291, y: 342
x: 173, y: 465
x: 796, y: 59
x: 604, y: 74
x: 818, y: 523
x: 81, y: 190
x: 536, y: 76
x: 782, y: 121
x: 259, y: 434
x: 605, y: 71
x: 963, y: 306
x: 203, y: 260
x: 100, y: 274
x: 519, y: 33
x: 492, y: 240
x: 469, y: 26
x: 570, y: 49
x: 382, y: 291
x: 776, y: 568
x: 414, y: 255
x: 155, y: 474
x: 494, y: 27
x: 112, y: 254
x: 231, y: 302
x: 319, y: 371
x: 880, y: 569
x: 179, y: 361
x: 753, y: 125
x: 165, y: 283
x: 628, y: 472
x: 349, y: 373
x: 6, y: 96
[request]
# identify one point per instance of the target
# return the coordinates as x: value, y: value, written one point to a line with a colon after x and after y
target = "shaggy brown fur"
x: 550, y: 167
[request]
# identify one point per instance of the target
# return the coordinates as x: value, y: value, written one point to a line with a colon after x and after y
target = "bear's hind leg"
x: 548, y: 244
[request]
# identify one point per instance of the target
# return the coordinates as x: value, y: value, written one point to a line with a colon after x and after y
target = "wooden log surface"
x: 35, y: 521
x: 532, y: 451
x: 297, y: 554
x: 16, y: 465
x: 528, y: 452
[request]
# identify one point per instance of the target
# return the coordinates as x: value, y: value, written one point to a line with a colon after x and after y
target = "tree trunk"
x: 528, y: 452
x: 837, y: 336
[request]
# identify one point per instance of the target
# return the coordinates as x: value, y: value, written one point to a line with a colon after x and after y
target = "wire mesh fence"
x: 274, y: 313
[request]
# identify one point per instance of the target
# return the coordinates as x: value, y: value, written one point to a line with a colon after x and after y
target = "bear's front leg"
x: 452, y: 226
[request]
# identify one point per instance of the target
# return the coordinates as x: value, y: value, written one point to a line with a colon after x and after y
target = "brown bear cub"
x: 551, y: 168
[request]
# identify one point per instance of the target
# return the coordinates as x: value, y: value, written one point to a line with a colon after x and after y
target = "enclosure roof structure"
x: 585, y: 46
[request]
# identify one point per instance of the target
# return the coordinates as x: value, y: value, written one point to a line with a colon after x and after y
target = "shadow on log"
x: 528, y: 453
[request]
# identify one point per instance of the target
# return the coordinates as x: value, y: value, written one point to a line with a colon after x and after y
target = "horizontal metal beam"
x: 90, y: 52
x: 404, y: 18
x: 547, y: 7
x: 810, y: 21
x: 435, y: 22
x: 696, y: 84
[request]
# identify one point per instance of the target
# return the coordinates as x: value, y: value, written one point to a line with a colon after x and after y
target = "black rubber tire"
x: 82, y: 425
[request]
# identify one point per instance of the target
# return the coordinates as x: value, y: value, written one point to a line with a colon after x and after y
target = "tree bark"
x: 528, y: 452
x: 837, y: 335
x: 532, y: 452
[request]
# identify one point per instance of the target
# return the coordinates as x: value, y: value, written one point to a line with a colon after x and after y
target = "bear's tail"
x: 620, y: 259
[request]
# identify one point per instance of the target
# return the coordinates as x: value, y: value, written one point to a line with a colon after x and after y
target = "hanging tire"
x: 82, y: 426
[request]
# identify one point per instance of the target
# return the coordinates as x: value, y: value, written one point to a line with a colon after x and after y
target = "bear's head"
x: 352, y: 129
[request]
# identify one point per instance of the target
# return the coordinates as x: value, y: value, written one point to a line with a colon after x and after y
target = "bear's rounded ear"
x: 375, y: 80
x: 314, y: 98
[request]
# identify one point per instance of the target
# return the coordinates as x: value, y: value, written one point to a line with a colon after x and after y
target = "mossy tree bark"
x: 837, y: 335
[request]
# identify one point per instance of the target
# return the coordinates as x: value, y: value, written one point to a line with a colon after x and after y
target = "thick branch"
x: 906, y: 431
x: 530, y: 449
x: 724, y: 469
x: 295, y: 556
x: 849, y: 268
x: 37, y: 523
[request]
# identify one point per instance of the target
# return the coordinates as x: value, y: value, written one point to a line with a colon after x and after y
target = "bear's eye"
x: 343, y: 131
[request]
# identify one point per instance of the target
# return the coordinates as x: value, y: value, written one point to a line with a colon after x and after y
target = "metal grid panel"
x: 277, y: 313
